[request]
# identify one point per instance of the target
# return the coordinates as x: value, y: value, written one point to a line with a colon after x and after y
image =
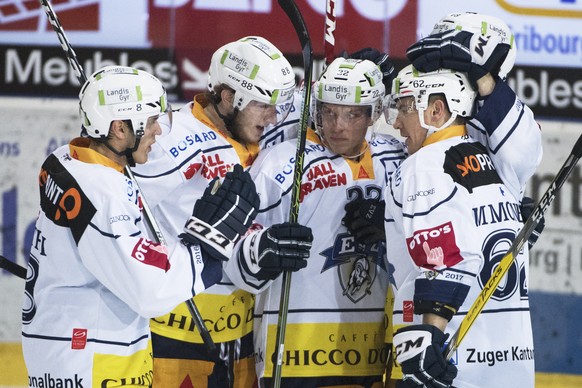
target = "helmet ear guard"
x: 351, y: 82
x: 120, y: 93
x: 257, y: 71
x: 483, y: 25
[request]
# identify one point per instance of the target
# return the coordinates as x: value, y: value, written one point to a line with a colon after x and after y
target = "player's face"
x: 152, y: 130
x: 250, y: 122
x: 408, y: 123
x: 344, y: 127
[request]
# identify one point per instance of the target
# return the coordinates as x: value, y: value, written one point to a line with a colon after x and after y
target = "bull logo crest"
x: 360, y: 276
x: 357, y: 264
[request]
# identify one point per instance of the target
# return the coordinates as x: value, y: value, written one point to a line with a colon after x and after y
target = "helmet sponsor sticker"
x: 339, y: 93
x: 118, y: 96
x: 239, y: 64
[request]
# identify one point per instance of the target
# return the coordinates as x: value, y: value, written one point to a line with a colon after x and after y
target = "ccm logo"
x: 408, y: 345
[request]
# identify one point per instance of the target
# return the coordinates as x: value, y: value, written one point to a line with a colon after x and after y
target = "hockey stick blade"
x: 516, y: 246
x: 12, y: 267
x: 149, y: 217
x: 296, y: 19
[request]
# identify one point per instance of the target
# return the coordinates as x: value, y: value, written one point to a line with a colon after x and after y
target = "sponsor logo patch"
x: 151, y: 254
x: 79, y: 339
x: 407, y: 310
x: 470, y: 166
x: 434, y: 248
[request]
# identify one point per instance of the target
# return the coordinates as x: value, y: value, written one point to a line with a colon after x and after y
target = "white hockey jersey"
x: 507, y: 128
x: 94, y: 278
x: 336, y: 320
x: 450, y: 220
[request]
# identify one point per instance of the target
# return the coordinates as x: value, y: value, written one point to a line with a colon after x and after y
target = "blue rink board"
x: 557, y: 328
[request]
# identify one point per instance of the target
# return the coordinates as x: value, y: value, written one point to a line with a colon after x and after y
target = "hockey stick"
x: 148, y: 215
x: 328, y: 37
x: 12, y: 267
x: 516, y: 246
x: 296, y: 19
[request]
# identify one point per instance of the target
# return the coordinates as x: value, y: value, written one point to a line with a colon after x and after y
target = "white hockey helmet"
x: 455, y: 87
x: 484, y: 25
x: 120, y: 93
x: 257, y: 71
x: 349, y: 82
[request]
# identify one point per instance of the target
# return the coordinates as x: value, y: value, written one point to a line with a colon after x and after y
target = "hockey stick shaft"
x: 148, y: 215
x: 12, y: 267
x: 296, y: 18
x: 328, y: 34
x: 516, y: 246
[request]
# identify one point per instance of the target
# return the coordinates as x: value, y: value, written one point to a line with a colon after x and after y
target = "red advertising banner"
x: 208, y: 29
x: 77, y: 15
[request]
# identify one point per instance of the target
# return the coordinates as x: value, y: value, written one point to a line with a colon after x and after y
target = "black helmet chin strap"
x: 228, y: 119
x: 128, y: 152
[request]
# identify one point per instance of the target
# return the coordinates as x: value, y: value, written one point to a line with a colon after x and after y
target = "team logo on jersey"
x: 469, y: 165
x: 357, y: 264
x: 434, y: 248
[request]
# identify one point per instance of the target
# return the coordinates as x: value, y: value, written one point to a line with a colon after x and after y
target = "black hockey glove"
x: 419, y: 352
x: 223, y: 214
x: 382, y: 60
x: 365, y: 220
x: 527, y: 206
x: 282, y: 247
x: 459, y: 50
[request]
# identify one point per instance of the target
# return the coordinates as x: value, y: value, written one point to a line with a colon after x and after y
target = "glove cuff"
x: 475, y: 73
x: 205, y: 234
x: 250, y: 253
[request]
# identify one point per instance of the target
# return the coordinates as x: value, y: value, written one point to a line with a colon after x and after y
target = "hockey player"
x: 449, y: 220
x: 251, y: 88
x: 503, y: 123
x: 484, y: 48
x: 94, y: 276
x: 336, y: 321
